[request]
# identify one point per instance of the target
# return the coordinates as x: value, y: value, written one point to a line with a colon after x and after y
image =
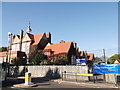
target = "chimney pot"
x: 62, y: 41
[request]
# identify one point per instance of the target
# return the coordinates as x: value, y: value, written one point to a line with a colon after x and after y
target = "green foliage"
x: 113, y: 58
x: 45, y: 62
x: 97, y: 59
x: 60, y: 60
x: 19, y: 61
x: 4, y: 65
x: 2, y: 49
x: 36, y: 57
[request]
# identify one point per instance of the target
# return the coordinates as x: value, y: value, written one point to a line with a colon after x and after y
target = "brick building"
x: 22, y: 44
x: 3, y: 57
x: 63, y: 48
x: 25, y: 42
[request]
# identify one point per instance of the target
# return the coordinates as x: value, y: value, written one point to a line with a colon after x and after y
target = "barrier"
x: 27, y: 78
x: 109, y: 71
x: 65, y: 74
x: 84, y: 74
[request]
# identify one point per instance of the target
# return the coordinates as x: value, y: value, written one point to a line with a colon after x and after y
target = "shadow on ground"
x: 50, y: 75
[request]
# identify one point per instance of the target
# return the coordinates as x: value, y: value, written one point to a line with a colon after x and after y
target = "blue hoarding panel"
x: 77, y: 61
x: 80, y: 61
x: 119, y: 68
x: 107, y: 68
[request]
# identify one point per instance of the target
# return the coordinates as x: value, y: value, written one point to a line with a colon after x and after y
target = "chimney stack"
x: 75, y: 45
x: 21, y: 36
x: 62, y: 41
x: 13, y: 38
x: 48, y: 35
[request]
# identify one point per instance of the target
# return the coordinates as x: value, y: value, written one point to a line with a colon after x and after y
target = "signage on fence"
x: 107, y: 68
x: 80, y: 61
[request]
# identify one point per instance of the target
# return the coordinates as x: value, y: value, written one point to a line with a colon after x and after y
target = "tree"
x: 45, y: 62
x: 97, y: 59
x: 19, y: 61
x: 60, y: 60
x: 36, y: 57
x: 113, y: 58
x: 2, y: 49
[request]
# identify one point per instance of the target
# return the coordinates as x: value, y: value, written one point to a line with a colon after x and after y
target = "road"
x: 44, y: 83
x: 61, y: 86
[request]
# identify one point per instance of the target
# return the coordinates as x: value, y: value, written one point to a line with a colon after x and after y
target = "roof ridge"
x: 61, y: 43
x: 37, y: 38
x: 29, y: 33
x: 60, y: 47
x: 18, y: 36
x: 39, y: 33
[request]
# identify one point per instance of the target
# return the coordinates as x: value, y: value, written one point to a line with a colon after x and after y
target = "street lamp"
x: 9, y: 45
x: 9, y: 42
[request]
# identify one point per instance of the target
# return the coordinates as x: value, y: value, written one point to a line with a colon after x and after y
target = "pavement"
x: 88, y: 84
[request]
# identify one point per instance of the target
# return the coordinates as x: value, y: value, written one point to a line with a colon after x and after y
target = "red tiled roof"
x: 60, y: 47
x: 57, y: 54
x: 3, y: 54
x: 47, y: 50
x: 90, y: 56
x: 37, y: 38
x: 82, y: 53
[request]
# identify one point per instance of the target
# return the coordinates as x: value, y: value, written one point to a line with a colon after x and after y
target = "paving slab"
x: 89, y: 84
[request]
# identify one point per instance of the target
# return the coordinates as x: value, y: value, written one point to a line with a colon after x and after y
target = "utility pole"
x: 104, y: 56
x: 105, y: 63
x: 86, y: 56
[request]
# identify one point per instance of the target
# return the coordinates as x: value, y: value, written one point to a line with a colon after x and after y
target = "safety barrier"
x: 66, y: 74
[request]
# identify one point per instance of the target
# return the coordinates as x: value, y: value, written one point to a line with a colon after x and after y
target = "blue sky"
x: 93, y: 25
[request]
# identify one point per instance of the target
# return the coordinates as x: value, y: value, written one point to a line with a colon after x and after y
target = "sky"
x: 92, y: 25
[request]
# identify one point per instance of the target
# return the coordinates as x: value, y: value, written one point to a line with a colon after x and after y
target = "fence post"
x: 62, y: 75
x: 93, y: 78
x: 65, y: 74
x: 116, y: 84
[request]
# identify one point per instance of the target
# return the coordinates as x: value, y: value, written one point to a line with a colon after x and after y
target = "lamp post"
x: 8, y: 54
x: 9, y: 42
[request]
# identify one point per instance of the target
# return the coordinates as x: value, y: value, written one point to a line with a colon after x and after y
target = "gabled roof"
x: 30, y: 36
x: 37, y: 38
x: 18, y: 36
x: 60, y: 47
x: 3, y: 54
x: 118, y: 61
x: 82, y: 53
x: 90, y: 56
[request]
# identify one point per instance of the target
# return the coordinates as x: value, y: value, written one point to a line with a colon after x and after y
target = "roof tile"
x: 60, y: 47
x: 3, y: 54
x: 90, y: 56
x: 37, y: 38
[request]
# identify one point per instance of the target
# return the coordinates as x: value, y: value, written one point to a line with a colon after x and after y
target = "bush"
x: 113, y: 58
x: 36, y: 57
x: 60, y: 60
x: 19, y: 61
